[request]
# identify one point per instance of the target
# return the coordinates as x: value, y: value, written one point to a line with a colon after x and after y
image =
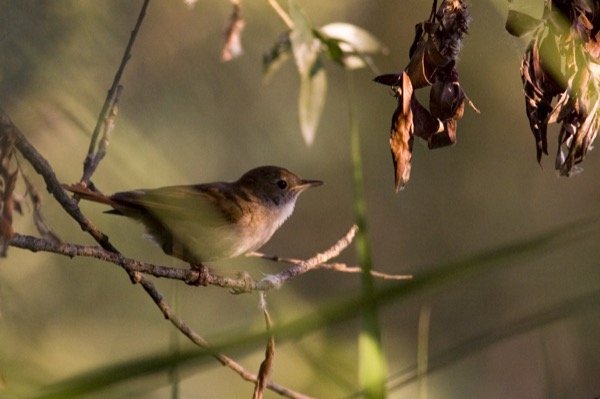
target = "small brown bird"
x: 211, y: 221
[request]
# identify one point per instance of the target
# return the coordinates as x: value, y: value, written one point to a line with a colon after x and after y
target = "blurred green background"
x: 187, y: 117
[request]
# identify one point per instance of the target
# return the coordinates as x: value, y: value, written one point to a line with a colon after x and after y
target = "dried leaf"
x: 576, y: 141
x: 8, y: 179
x: 36, y: 200
x: 433, y: 55
x: 233, y: 35
x: 446, y: 98
x: 560, y: 67
x: 519, y: 24
x: 401, y: 139
x: 425, y: 125
x: 537, y: 103
x: 423, y: 65
x: 445, y: 137
x: 6, y: 230
x: 561, y: 108
x: 389, y: 79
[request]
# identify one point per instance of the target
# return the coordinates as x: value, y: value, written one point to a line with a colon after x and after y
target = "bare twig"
x: 276, y: 280
x: 39, y: 221
x: 267, y: 365
x: 109, y: 125
x: 282, y: 14
x: 318, y: 261
x: 93, y: 157
x: 36, y: 244
x: 41, y: 166
x: 201, y: 342
x: 343, y: 268
x: 137, y: 268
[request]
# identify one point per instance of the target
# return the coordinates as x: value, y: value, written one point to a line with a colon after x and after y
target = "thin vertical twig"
x: 266, y: 366
x: 91, y: 160
x: 287, y: 20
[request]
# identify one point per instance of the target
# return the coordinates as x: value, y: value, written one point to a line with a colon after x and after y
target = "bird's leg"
x: 202, y: 277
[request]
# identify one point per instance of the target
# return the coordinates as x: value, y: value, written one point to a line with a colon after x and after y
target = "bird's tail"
x: 87, y: 194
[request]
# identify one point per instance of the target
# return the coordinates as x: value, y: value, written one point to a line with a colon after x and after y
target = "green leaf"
x: 305, y: 46
x: 361, y: 40
x: 355, y: 43
x: 277, y: 55
x: 333, y: 47
x: 313, y: 81
x: 313, y: 91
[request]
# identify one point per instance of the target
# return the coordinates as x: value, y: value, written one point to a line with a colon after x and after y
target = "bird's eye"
x: 282, y: 184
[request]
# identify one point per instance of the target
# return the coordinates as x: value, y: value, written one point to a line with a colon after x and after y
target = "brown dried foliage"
x: 233, y: 35
x: 432, y: 64
x: 8, y: 179
x: 561, y: 76
x: 10, y: 171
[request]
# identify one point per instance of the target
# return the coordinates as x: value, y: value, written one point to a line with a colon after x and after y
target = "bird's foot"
x: 201, y: 277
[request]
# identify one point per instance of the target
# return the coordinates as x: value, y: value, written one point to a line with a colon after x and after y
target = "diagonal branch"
x: 41, y: 166
x: 201, y: 342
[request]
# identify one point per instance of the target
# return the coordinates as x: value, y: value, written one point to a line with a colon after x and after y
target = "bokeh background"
x: 185, y: 117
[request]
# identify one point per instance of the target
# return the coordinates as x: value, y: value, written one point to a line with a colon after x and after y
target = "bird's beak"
x: 304, y: 184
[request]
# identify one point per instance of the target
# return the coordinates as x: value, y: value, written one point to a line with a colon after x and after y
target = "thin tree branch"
x: 93, y: 158
x: 241, y: 284
x: 282, y: 14
x: 276, y: 280
x: 36, y: 244
x: 42, y: 167
x: 266, y: 366
x: 338, y: 267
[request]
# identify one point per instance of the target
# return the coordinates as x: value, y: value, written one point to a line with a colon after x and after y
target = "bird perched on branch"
x: 210, y: 221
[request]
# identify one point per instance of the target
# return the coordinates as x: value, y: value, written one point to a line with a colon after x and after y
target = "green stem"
x: 372, y: 368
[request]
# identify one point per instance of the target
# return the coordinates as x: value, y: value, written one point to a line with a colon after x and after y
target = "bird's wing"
x: 211, y: 206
